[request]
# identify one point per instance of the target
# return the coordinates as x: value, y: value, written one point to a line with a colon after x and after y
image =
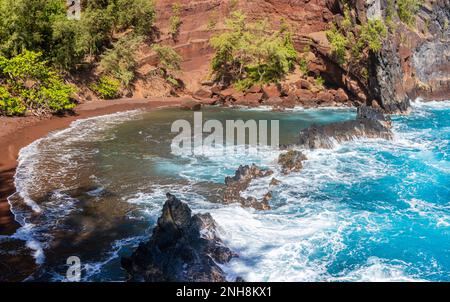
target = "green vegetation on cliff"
x: 407, y: 11
x: 103, y: 42
x: 339, y: 44
x: 175, y: 21
x: 120, y: 60
x: 249, y: 53
x: 169, y: 62
x: 42, y: 25
x: 351, y: 43
x: 28, y: 83
x: 107, y: 87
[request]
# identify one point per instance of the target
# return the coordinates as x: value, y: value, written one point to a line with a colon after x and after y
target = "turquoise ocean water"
x: 366, y: 210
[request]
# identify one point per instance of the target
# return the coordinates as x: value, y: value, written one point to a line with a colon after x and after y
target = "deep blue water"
x: 367, y: 210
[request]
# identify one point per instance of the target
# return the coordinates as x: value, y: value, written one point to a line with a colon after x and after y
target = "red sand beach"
x: 19, y: 132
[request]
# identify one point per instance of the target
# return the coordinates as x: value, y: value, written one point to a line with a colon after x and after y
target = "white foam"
x: 276, y: 247
x: 379, y: 270
x: 304, y: 233
x: 440, y: 214
x: 421, y: 104
x: 30, y: 174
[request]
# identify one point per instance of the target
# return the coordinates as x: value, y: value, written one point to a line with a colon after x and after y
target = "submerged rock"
x: 292, y: 161
x: 183, y: 248
x: 240, y: 182
x: 370, y: 123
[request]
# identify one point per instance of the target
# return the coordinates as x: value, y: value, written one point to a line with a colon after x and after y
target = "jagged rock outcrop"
x: 370, y: 123
x: 240, y: 182
x: 414, y: 61
x: 183, y: 248
x: 274, y: 182
x: 302, y: 92
x: 291, y: 161
x: 431, y: 62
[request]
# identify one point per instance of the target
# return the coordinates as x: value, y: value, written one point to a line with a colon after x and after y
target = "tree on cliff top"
x: 43, y: 26
x: 249, y: 53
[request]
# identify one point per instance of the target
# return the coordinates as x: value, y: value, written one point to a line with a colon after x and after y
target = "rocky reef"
x: 240, y: 182
x: 183, y: 248
x: 370, y: 123
x: 291, y: 161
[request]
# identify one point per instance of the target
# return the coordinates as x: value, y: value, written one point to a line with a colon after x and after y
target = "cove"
x: 365, y: 210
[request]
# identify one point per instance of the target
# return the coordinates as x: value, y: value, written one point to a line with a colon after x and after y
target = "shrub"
x: 138, y: 14
x: 251, y: 52
x: 120, y: 61
x: 372, y: 35
x: 390, y: 11
x: 212, y: 22
x: 169, y: 62
x: 175, y: 21
x: 347, y: 21
x: 168, y: 58
x: 320, y: 82
x: 26, y: 24
x: 10, y: 105
x: 56, y: 96
x: 407, y: 10
x: 244, y: 84
x: 338, y: 43
x: 31, y: 83
x: 107, y: 88
x: 303, y: 64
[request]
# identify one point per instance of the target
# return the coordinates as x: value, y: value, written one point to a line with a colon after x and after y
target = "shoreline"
x: 19, y: 132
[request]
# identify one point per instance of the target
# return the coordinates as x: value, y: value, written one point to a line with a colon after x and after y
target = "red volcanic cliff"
x: 305, y: 17
x: 413, y: 62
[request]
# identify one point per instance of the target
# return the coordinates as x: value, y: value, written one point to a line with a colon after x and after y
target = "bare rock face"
x: 191, y: 105
x: 370, y: 123
x: 292, y: 161
x: 240, y: 182
x: 432, y: 63
x: 202, y: 94
x: 341, y: 96
x: 418, y: 68
x: 251, y: 99
x: 183, y: 248
x: 271, y: 91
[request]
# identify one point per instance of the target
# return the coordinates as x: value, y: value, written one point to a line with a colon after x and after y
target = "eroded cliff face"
x: 431, y: 57
x: 203, y: 18
x: 414, y: 62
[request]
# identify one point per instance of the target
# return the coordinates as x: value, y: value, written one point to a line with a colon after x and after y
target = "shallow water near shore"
x: 367, y: 210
